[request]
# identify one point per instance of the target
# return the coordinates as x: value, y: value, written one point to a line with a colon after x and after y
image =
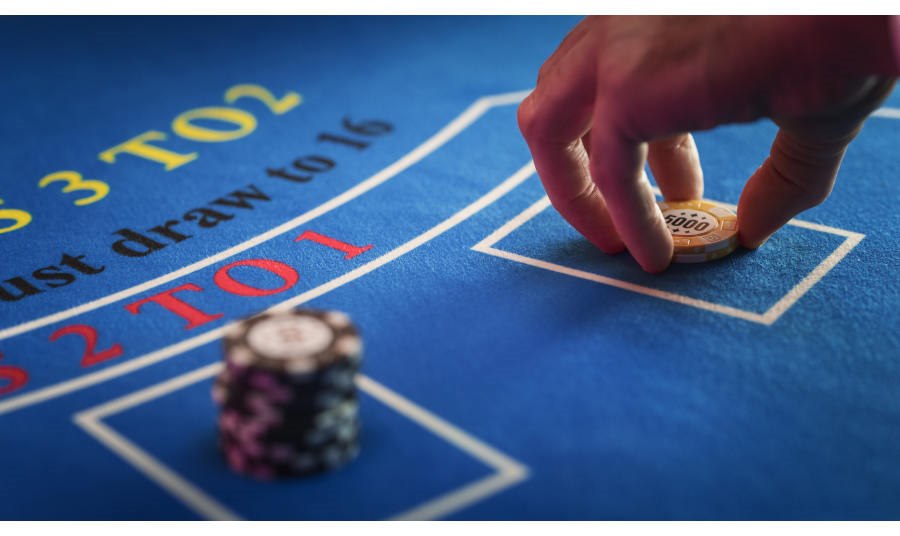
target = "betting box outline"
x: 507, y: 471
x: 851, y: 239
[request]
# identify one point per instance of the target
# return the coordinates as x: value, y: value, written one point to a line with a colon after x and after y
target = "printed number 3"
x: 75, y: 183
x: 20, y: 218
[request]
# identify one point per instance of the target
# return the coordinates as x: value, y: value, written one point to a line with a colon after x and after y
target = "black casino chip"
x: 287, y: 394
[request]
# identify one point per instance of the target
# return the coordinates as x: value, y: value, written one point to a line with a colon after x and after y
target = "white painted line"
x: 486, y: 246
x: 812, y: 226
x: 513, y: 224
x: 443, y: 429
x: 193, y: 497
x: 794, y: 221
x: 447, y: 133
x: 504, y: 188
x: 509, y: 472
x: 624, y: 285
x: 789, y: 299
x: 65, y: 387
x: 889, y: 113
x: 201, y: 503
x: 145, y: 395
x: 459, y: 499
x: 768, y: 318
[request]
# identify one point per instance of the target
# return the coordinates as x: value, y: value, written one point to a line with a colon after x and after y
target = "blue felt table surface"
x: 760, y: 386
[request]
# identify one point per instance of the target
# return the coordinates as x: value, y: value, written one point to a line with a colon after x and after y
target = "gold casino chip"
x: 701, y: 231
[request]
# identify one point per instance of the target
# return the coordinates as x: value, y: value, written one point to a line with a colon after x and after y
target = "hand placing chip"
x: 620, y: 92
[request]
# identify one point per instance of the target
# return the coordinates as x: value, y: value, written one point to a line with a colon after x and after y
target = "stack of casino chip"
x: 287, y: 396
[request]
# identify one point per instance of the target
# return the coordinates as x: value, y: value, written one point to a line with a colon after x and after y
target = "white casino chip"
x: 290, y: 337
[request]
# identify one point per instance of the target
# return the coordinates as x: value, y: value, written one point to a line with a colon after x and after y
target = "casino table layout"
x: 163, y: 178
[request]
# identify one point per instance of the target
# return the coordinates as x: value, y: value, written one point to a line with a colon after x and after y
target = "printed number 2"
x: 280, y: 106
x: 89, y: 334
x: 14, y: 379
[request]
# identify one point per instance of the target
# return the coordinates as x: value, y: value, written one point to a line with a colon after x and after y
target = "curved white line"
x: 460, y: 123
x: 888, y: 113
x: 68, y: 386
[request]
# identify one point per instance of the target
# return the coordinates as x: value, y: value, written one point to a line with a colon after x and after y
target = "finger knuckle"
x: 817, y: 196
x: 529, y: 118
x: 808, y: 192
x: 542, y: 72
x: 525, y: 117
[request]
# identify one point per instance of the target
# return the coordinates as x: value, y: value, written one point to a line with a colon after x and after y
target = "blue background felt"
x: 621, y: 405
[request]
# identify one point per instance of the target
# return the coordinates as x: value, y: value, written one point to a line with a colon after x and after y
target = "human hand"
x: 622, y: 91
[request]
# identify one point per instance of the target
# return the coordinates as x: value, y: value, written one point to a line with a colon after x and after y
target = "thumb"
x: 803, y: 163
x: 798, y: 174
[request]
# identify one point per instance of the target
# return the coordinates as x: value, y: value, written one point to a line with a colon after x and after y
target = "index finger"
x: 553, y: 119
x: 617, y: 166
